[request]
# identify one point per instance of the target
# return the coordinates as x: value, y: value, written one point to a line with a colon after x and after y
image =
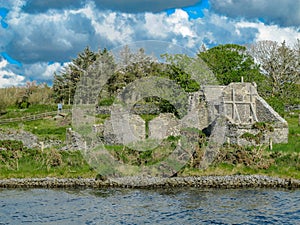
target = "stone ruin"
x: 233, y: 114
x: 248, y: 118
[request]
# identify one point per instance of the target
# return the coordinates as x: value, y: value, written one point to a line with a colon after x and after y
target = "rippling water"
x: 130, y: 206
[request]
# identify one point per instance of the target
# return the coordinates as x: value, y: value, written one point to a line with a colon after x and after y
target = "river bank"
x: 225, y: 182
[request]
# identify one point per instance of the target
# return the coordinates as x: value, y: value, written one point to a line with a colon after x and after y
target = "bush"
x: 277, y: 104
x: 3, y: 105
x: 106, y: 101
x: 11, y: 145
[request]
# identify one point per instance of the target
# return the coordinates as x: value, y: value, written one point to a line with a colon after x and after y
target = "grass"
x: 106, y: 101
x: 44, y: 129
x: 282, y: 161
x: 24, y: 162
x: 100, y: 118
x: 293, y: 144
x: 223, y: 169
x: 148, y: 156
x: 14, y: 111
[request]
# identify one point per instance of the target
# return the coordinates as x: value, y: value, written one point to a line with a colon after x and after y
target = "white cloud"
x: 46, y: 37
x: 42, y: 71
x: 272, y: 32
x: 7, y: 77
x: 59, y: 35
x: 180, y: 24
x: 114, y: 27
x: 156, y: 26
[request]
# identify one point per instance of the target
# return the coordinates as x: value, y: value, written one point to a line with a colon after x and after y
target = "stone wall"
x: 266, y: 113
x: 237, y: 134
x: 124, y: 129
x: 74, y: 141
x: 238, y: 105
x: 242, y: 108
x: 226, y: 182
x: 29, y: 140
x: 163, y: 126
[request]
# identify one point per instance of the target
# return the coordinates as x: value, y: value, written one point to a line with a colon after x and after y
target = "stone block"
x: 166, y: 124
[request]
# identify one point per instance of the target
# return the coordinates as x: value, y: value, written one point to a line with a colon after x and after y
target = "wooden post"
x: 271, y: 144
x: 42, y: 146
x: 299, y: 119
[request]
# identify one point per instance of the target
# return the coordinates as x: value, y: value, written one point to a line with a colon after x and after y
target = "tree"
x: 41, y: 95
x: 65, y: 83
x: 188, y: 72
x: 93, y: 86
x: 230, y: 62
x: 3, y: 105
x: 280, y: 64
x: 132, y: 66
x: 24, y: 94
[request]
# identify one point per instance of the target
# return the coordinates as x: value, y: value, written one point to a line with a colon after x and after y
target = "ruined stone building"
x: 233, y: 114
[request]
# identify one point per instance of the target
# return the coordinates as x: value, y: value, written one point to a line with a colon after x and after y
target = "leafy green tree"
x: 92, y: 88
x: 230, y: 62
x: 188, y: 72
x: 25, y: 92
x: 65, y: 83
x: 132, y: 66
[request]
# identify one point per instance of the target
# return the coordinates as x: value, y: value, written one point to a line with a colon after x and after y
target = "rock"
x: 101, y: 177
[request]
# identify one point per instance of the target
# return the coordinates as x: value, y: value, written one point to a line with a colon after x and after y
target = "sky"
x: 39, y: 37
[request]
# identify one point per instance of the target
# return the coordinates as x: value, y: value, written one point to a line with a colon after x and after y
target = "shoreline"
x: 223, y: 182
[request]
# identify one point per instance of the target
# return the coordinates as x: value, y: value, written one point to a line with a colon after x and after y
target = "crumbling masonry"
x: 233, y: 114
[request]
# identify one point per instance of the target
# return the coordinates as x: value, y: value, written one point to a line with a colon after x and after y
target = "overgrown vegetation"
x: 144, y: 158
x: 24, y: 97
x: 283, y: 160
x: 44, y: 129
x: 17, y: 161
x: 262, y: 128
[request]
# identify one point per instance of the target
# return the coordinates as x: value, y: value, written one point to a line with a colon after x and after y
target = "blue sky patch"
x: 196, y: 11
x: 10, y: 59
x: 170, y: 11
x: 6, y: 76
x: 261, y: 20
x: 4, y: 25
x: 3, y: 14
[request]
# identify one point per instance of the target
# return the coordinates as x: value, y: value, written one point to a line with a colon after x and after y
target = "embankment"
x: 234, y: 181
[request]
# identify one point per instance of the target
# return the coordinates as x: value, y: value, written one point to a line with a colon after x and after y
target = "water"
x: 161, y: 206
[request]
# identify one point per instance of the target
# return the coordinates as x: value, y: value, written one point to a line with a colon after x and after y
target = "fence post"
x: 42, y: 146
